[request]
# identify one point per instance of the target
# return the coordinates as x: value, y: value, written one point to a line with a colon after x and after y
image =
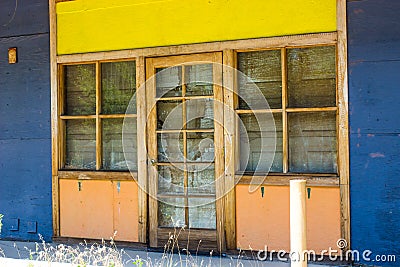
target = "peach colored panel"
x: 323, y: 218
x: 265, y: 220
x: 86, y: 213
x: 262, y: 220
x: 126, y: 211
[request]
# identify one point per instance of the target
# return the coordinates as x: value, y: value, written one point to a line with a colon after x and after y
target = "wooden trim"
x: 343, y: 129
x: 259, y: 43
x: 229, y: 78
x: 141, y: 148
x: 185, y: 145
x: 98, y: 175
x: 151, y: 152
x: 99, y: 142
x: 186, y: 131
x: 78, y: 117
x: 184, y: 238
x: 185, y: 97
x: 284, y: 180
x: 219, y: 153
x: 54, y: 118
x: 285, y: 134
x: 117, y: 116
x: 101, y: 116
x: 311, y: 109
x: 254, y: 111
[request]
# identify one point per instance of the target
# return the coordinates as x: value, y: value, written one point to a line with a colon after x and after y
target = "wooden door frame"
x: 168, y: 61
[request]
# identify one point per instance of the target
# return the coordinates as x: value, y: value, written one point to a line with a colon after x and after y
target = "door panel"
x: 185, y: 147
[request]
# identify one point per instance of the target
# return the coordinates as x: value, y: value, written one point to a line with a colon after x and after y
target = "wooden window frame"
x: 229, y: 48
x: 283, y: 178
x: 98, y: 117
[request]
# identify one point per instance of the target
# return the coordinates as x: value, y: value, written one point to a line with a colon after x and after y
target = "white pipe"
x: 298, y: 226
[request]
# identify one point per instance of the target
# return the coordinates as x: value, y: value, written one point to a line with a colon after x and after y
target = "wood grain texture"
x: 142, y: 148
x: 285, y: 143
x: 97, y: 175
x: 188, y: 239
x: 99, y: 135
x: 151, y: 153
x: 323, y: 180
x: 54, y: 117
x: 248, y: 44
x: 219, y: 153
x: 229, y: 65
x: 343, y: 127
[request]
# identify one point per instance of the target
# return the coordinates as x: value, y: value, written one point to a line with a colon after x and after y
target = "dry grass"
x: 107, y: 254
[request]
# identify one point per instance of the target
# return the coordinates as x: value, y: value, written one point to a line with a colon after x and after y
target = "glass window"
x: 94, y: 118
x: 303, y: 103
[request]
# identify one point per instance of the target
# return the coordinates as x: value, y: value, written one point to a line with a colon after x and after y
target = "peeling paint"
x: 358, y: 11
x: 376, y: 155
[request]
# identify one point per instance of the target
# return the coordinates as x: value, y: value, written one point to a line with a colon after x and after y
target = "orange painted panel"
x: 86, y: 212
x: 262, y: 221
x: 126, y: 211
x: 323, y: 218
x: 265, y: 221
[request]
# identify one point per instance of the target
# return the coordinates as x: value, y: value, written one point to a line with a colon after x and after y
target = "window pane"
x: 169, y: 115
x: 80, y: 89
x: 258, y: 146
x: 171, y: 212
x: 170, y: 180
x: 113, y: 151
x: 312, y: 77
x: 80, y: 144
x: 202, y: 213
x: 118, y: 85
x: 169, y: 82
x: 170, y: 147
x: 200, y: 114
x: 263, y: 68
x: 312, y: 142
x: 199, y: 79
x: 201, y: 179
x: 200, y: 147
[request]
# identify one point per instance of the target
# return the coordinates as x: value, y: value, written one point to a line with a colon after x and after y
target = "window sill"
x: 98, y: 175
x: 328, y: 180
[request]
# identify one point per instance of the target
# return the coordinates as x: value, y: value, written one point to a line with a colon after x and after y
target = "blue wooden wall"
x: 25, y: 137
x: 374, y: 95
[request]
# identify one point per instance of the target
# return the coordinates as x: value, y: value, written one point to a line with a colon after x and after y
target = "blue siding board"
x: 24, y: 88
x: 25, y: 132
x: 374, y: 97
x: 30, y: 17
x: 374, y: 93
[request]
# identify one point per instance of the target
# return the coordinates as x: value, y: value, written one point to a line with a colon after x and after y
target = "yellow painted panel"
x: 103, y: 25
